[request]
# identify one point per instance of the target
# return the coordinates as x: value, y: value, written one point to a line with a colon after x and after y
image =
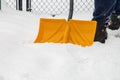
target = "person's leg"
x: 117, y: 8
x: 103, y: 8
x: 115, y: 17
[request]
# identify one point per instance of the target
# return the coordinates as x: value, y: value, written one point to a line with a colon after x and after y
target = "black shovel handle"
x: 71, y: 8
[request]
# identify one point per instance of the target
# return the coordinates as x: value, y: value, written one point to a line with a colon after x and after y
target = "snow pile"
x: 21, y: 59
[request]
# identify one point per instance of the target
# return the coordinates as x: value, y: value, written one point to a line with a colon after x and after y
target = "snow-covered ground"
x: 21, y: 59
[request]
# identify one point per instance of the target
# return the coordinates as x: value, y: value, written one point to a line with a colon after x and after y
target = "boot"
x: 114, y: 22
x: 101, y: 33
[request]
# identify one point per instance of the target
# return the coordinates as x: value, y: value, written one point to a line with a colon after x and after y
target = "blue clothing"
x: 105, y: 8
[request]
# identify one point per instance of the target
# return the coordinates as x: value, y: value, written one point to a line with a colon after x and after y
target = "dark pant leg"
x: 117, y: 8
x: 103, y: 8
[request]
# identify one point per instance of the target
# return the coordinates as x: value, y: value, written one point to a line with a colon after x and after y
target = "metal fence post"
x: 19, y: 5
x: 28, y: 5
x: 0, y: 4
x: 71, y: 8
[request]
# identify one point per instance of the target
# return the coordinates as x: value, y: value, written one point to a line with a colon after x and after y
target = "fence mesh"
x: 83, y: 6
x: 56, y: 7
x: 11, y: 3
x: 50, y: 6
x: 61, y: 6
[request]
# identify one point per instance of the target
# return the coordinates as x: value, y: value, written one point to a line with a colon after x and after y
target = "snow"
x: 21, y: 59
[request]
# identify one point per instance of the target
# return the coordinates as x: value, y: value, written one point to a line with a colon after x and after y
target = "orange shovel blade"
x: 61, y: 31
x: 52, y: 30
x: 82, y: 32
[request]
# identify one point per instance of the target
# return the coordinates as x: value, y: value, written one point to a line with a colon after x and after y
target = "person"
x: 107, y: 14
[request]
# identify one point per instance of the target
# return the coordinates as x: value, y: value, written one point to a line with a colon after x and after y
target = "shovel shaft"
x: 71, y: 8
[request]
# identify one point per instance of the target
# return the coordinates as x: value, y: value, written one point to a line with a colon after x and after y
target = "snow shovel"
x: 78, y: 32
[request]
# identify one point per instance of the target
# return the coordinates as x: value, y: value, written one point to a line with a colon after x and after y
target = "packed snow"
x: 21, y: 59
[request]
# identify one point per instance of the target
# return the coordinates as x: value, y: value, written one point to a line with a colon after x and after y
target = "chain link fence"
x: 54, y: 7
x: 60, y: 6
x: 11, y: 3
x: 83, y: 6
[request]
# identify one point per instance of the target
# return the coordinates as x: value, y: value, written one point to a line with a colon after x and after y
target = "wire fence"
x: 54, y: 7
x: 60, y: 6
x: 83, y: 5
x: 11, y: 3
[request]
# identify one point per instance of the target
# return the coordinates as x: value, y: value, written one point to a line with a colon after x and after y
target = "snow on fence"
x: 54, y: 7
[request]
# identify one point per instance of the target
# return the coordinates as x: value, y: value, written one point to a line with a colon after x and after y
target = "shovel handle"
x: 71, y: 8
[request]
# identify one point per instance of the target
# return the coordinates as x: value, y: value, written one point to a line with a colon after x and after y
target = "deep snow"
x: 21, y: 59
